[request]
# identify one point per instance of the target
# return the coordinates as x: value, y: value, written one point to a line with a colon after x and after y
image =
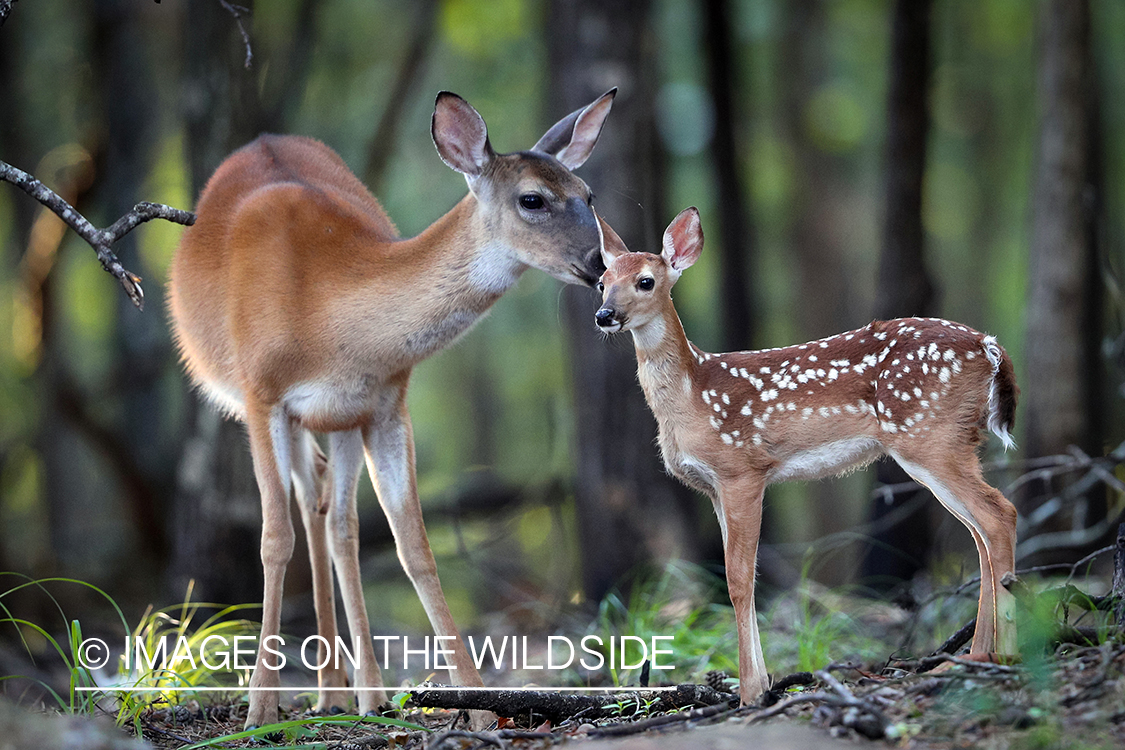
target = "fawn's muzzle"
x: 605, y: 317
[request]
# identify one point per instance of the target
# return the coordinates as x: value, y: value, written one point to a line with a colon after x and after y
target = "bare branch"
x: 5, y: 9
x: 238, y: 11
x: 99, y: 239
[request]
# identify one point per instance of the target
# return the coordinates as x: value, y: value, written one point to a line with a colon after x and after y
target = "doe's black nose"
x: 594, y: 264
x: 604, y: 316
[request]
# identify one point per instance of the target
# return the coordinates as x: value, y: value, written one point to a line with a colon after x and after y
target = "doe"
x: 730, y: 424
x: 298, y: 309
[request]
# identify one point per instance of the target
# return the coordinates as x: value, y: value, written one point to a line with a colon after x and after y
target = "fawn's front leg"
x: 740, y: 503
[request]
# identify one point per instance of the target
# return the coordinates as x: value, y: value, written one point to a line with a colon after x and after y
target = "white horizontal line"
x: 442, y: 688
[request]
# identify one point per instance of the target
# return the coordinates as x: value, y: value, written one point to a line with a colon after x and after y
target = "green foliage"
x: 676, y: 603
x: 189, y: 649
x: 811, y: 627
x: 302, y: 729
x: 78, y: 698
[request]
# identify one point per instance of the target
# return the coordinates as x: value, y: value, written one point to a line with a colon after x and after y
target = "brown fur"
x: 297, y: 307
x: 732, y: 423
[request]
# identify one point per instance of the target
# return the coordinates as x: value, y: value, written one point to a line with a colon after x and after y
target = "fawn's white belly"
x: 827, y: 459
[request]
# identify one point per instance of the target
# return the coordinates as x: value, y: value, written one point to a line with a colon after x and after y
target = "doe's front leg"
x: 389, y: 443
x: 345, y: 456
x: 313, y: 489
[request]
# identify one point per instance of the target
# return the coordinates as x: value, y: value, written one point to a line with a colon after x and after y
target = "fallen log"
x: 555, y: 706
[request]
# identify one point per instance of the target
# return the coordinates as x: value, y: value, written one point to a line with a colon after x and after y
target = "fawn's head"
x: 534, y: 206
x: 636, y: 286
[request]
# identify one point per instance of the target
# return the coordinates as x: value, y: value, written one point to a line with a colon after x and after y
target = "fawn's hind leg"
x: 955, y: 479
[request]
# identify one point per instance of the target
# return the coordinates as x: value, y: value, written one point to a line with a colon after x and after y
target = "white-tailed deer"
x: 298, y: 309
x: 919, y: 390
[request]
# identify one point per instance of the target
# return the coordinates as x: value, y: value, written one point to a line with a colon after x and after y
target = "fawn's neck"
x: 666, y: 363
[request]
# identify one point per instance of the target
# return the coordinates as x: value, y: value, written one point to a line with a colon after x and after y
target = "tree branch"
x: 99, y: 239
x: 238, y: 12
x: 5, y: 9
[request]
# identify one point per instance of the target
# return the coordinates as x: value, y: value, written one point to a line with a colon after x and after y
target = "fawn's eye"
x: 531, y: 201
x: 601, y: 287
x: 646, y: 284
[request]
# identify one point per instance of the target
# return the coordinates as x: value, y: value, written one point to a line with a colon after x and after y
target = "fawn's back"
x: 828, y: 405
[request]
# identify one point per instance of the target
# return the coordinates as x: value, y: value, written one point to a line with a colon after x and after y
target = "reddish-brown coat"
x: 920, y: 390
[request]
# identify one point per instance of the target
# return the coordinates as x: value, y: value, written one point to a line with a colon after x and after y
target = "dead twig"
x: 5, y: 9
x: 639, y: 727
x: 925, y: 665
x: 99, y: 239
x: 238, y: 12
x: 482, y: 739
x: 1117, y: 590
x: 859, y: 714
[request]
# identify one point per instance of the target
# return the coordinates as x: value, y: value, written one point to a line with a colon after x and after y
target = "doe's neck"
x: 461, y: 248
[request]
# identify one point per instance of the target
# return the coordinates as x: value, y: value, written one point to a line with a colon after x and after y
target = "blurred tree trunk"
x: 13, y: 132
x: 1060, y: 393
x: 12, y: 140
x: 904, y: 287
x: 814, y: 234
x: 628, y: 510
x: 143, y: 347
x: 736, y: 246
x: 217, y: 516
x: 383, y: 139
x: 1063, y: 383
x: 736, y: 237
x: 815, y: 239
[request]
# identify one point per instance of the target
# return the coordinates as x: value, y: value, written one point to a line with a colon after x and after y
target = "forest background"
x: 851, y: 160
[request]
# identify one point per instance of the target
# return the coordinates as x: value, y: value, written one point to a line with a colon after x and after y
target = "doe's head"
x: 636, y: 286
x: 534, y: 205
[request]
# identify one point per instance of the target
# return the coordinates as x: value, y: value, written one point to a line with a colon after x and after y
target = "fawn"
x: 297, y: 308
x: 919, y: 390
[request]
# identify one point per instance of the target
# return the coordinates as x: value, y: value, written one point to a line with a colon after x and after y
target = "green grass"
x: 301, y: 730
x: 74, y: 701
x: 679, y: 602
x: 193, y: 649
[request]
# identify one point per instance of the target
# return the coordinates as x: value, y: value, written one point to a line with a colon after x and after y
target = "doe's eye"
x: 646, y: 284
x: 601, y: 287
x: 531, y: 201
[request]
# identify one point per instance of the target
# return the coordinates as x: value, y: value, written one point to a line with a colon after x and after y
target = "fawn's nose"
x: 604, y: 317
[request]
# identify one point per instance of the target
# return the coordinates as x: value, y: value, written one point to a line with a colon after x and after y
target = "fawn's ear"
x: 683, y: 241
x: 612, y: 246
x: 571, y: 139
x: 460, y: 135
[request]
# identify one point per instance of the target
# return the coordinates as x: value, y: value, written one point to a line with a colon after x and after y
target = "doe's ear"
x: 612, y: 245
x: 683, y: 240
x: 572, y: 139
x: 460, y: 135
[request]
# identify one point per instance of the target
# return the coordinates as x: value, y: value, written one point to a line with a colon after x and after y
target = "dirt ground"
x: 1074, y: 698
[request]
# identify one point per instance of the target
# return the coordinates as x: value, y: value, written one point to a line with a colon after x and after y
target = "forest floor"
x: 1067, y: 692
x: 1073, y: 698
